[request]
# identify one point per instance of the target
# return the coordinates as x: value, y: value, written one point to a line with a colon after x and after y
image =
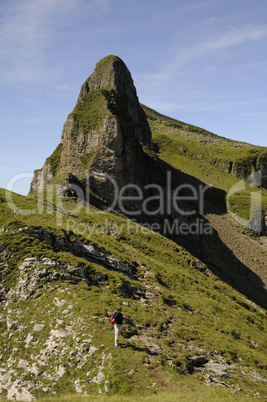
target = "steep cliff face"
x: 105, y: 134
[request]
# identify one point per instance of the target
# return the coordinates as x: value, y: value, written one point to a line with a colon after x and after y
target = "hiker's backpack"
x: 111, y: 318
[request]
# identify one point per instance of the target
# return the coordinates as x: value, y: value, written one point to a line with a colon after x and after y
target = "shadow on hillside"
x: 213, y: 195
x: 133, y: 347
x: 222, y: 262
x: 207, y: 246
x: 203, y: 242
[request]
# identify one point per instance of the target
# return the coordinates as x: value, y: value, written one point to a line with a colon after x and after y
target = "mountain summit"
x: 104, y: 134
x: 112, y: 78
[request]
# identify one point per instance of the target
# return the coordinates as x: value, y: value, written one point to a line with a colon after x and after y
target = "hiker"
x: 117, y: 325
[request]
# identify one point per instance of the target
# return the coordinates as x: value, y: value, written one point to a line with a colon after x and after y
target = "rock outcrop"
x: 106, y: 134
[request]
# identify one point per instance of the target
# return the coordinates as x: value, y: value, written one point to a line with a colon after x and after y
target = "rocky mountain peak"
x: 104, y: 134
x: 110, y: 73
x: 112, y: 78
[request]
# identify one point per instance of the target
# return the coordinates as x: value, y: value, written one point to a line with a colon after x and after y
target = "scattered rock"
x: 30, y: 339
x: 88, y: 251
x: 236, y: 335
x: 195, y: 361
x: 250, y: 320
x: 38, y: 327
x: 19, y: 390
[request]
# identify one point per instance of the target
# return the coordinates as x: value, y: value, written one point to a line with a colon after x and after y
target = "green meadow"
x: 175, y: 308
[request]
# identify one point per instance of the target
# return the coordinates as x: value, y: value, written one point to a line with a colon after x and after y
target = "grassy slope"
x: 185, y: 141
x: 187, y: 310
x: 206, y: 156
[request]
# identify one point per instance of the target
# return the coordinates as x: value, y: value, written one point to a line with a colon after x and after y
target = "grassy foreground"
x: 175, y: 308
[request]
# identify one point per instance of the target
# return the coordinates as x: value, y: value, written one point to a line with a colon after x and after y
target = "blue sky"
x: 200, y: 61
